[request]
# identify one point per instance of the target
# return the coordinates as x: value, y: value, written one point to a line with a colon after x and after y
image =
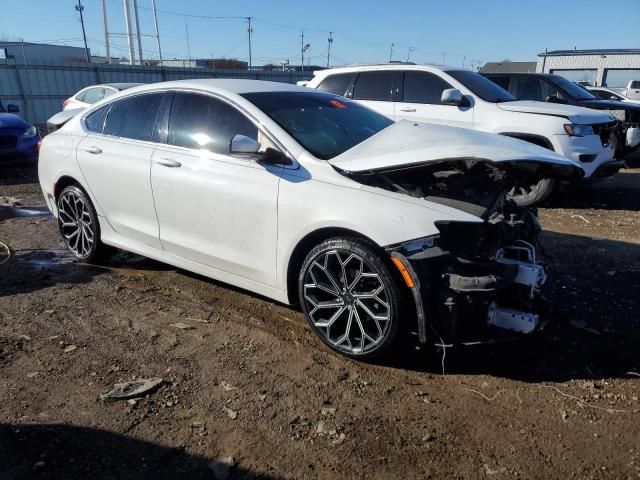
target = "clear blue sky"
x: 364, y: 30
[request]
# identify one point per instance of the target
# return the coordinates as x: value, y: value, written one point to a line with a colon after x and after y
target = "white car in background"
x: 462, y: 98
x: 633, y: 90
x: 604, y: 93
x: 94, y: 93
x: 374, y: 227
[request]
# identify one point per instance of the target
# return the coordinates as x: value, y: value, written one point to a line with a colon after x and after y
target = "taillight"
x: 65, y: 103
x: 38, y: 145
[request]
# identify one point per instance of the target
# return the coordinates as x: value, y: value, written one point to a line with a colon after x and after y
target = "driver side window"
x: 202, y: 122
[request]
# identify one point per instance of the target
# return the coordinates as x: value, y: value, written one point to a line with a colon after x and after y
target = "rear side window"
x: 108, y: 92
x: 529, y: 88
x: 95, y: 120
x: 502, y: 80
x: 92, y: 95
x: 374, y: 86
x: 134, y: 117
x: 337, y: 84
x: 203, y: 122
x: 423, y: 87
x: 635, y: 84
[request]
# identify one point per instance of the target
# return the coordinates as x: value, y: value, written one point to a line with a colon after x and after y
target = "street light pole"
x: 80, y: 9
x: 250, y: 32
x: 330, y: 40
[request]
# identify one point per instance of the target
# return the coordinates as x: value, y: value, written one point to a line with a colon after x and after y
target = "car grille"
x: 605, y: 131
x: 8, y: 141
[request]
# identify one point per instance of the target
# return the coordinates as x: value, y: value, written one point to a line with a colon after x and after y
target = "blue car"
x: 18, y: 139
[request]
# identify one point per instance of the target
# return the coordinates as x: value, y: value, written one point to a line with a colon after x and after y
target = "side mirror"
x: 247, y: 145
x: 452, y: 96
x: 11, y: 108
x: 243, y: 144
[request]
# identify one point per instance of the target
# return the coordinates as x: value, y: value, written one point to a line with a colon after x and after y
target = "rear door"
x: 115, y: 159
x: 421, y: 95
x: 375, y: 90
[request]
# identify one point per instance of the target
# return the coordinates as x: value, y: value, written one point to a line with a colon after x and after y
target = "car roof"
x: 385, y: 66
x: 121, y: 85
x: 229, y: 85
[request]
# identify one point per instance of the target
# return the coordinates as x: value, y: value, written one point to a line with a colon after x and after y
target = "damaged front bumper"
x: 463, y: 302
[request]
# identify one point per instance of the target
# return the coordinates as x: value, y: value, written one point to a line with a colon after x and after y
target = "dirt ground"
x: 251, y: 393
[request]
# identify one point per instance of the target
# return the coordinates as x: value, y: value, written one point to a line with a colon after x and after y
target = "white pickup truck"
x: 462, y: 98
x: 633, y: 90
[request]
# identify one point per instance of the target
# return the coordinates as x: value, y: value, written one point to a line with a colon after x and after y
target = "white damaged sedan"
x: 375, y: 228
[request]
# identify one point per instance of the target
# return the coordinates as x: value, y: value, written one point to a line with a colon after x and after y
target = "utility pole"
x: 106, y: 30
x: 80, y: 9
x: 250, y: 30
x: 186, y: 29
x: 155, y: 20
x: 444, y: 58
x: 127, y: 22
x: 463, y: 60
x: 330, y: 40
x: 302, y: 50
x: 391, y: 54
x: 135, y: 16
x: 409, y: 50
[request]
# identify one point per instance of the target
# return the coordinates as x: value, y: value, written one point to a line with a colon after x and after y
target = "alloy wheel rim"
x: 75, y: 224
x: 347, y: 301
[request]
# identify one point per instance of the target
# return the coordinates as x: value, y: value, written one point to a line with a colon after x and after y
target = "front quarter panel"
x: 306, y: 205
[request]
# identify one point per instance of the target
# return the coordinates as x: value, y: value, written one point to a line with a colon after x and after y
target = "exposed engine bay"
x: 475, y: 281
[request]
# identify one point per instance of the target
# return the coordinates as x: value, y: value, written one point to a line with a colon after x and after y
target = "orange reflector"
x: 403, y: 271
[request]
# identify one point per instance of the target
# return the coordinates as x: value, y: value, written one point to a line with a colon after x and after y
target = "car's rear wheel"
x: 78, y: 224
x: 350, y: 297
x: 526, y: 195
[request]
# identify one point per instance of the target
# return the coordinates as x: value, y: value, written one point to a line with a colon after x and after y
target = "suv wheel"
x: 528, y: 195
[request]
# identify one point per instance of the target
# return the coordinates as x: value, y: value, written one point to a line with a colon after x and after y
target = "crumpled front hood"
x: 578, y: 115
x: 407, y: 143
x: 9, y: 120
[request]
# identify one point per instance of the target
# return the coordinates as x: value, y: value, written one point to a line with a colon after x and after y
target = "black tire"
x: 529, y: 195
x: 365, y: 271
x: 82, y: 239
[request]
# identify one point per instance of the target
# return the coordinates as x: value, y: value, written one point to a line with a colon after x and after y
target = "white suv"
x: 462, y: 98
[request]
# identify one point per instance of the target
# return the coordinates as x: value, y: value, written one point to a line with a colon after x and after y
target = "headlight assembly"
x: 30, y: 132
x: 578, y: 130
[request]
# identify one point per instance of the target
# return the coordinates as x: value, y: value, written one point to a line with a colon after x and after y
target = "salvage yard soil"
x: 249, y: 392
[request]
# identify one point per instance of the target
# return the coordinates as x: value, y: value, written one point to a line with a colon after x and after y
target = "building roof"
x: 509, y: 67
x: 595, y: 51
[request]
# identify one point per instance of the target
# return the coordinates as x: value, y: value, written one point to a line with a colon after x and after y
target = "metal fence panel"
x: 39, y: 90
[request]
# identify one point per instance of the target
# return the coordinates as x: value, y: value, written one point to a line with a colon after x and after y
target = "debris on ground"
x: 227, y: 387
x: 232, y: 414
x: 181, y: 326
x: 132, y: 389
x: 581, y: 325
x: 70, y: 348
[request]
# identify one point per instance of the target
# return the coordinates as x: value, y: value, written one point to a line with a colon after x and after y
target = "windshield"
x: 481, y: 86
x: 325, y: 125
x: 572, y: 89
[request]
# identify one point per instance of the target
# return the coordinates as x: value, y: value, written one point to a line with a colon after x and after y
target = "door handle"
x: 168, y: 162
x: 407, y: 109
x: 93, y: 149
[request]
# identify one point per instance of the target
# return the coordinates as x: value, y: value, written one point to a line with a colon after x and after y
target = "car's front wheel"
x: 78, y: 224
x: 350, y: 297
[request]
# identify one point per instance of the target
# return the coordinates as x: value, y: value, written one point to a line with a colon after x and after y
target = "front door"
x: 215, y: 208
x: 421, y: 101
